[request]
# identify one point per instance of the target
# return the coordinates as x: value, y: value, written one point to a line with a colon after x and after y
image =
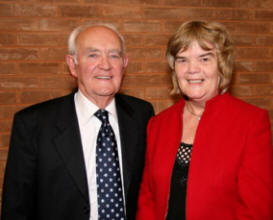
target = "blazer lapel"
x: 68, y: 144
x: 128, y: 138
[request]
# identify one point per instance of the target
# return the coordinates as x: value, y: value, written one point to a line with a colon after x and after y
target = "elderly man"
x: 80, y: 156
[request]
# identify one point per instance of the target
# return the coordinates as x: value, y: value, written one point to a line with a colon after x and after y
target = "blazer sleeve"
x: 146, y: 206
x: 19, y: 181
x: 255, y: 176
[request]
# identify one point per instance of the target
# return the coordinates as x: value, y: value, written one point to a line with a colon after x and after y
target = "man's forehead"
x: 93, y: 36
x: 98, y: 32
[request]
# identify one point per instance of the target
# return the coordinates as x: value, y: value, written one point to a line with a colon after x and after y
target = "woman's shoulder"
x: 237, y: 104
x: 171, y: 110
x: 228, y: 108
x: 169, y: 115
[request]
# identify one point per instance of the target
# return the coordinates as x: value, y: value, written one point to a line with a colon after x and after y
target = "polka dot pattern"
x: 109, y: 187
x: 183, y: 156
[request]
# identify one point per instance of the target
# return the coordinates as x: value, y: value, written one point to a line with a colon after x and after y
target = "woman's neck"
x: 194, y: 108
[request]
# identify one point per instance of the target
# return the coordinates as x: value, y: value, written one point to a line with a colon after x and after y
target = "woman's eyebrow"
x: 207, y: 54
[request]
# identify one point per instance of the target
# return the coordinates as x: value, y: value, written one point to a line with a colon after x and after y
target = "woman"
x: 209, y: 157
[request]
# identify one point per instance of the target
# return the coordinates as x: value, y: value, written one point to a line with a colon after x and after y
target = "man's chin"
x: 107, y: 93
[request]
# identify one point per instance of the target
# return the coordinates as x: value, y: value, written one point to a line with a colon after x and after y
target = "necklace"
x: 194, y: 114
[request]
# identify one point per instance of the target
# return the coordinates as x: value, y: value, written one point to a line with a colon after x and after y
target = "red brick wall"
x: 33, y: 37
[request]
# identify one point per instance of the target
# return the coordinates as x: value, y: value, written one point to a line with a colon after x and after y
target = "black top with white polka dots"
x: 177, y: 199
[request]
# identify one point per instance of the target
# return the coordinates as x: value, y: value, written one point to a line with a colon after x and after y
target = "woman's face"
x: 197, y: 72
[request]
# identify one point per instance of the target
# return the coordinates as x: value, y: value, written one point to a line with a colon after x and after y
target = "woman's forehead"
x: 197, y: 46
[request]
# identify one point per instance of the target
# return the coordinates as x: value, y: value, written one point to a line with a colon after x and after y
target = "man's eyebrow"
x: 115, y: 51
x: 92, y: 49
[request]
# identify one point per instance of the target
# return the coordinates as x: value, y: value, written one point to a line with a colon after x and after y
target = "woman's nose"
x: 193, y: 67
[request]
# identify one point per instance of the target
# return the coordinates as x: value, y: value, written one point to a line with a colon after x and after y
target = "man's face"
x: 100, y: 64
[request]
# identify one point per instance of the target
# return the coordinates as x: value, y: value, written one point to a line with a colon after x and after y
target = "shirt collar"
x: 87, y: 108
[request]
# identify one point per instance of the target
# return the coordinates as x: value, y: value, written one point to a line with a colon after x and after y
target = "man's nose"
x: 104, y: 63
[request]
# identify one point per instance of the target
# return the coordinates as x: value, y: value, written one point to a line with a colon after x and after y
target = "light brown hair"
x: 205, y: 33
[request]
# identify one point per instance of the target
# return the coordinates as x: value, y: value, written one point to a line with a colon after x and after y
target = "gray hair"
x: 72, y: 45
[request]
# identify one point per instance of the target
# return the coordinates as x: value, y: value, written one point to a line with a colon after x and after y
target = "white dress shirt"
x: 89, y: 129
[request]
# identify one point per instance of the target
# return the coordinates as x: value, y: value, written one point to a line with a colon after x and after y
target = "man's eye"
x: 93, y: 55
x: 115, y: 56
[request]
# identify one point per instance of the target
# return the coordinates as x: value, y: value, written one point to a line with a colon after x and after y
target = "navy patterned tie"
x: 109, y: 187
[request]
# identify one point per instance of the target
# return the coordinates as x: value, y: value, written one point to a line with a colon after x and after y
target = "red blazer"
x: 231, y: 169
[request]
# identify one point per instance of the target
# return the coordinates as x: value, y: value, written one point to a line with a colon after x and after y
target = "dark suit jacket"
x: 45, y: 175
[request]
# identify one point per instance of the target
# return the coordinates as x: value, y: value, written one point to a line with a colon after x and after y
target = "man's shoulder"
x: 131, y: 100
x: 48, y: 105
x: 132, y: 105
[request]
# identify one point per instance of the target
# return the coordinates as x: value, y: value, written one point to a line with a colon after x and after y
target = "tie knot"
x: 102, y: 115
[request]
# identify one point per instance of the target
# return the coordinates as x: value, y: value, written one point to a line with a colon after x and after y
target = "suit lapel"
x: 128, y: 138
x: 68, y: 144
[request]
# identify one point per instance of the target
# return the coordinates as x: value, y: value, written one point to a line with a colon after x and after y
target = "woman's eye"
x: 180, y: 60
x: 205, y: 59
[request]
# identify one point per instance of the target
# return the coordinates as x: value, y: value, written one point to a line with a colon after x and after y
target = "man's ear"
x: 71, y: 65
x: 125, y: 61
